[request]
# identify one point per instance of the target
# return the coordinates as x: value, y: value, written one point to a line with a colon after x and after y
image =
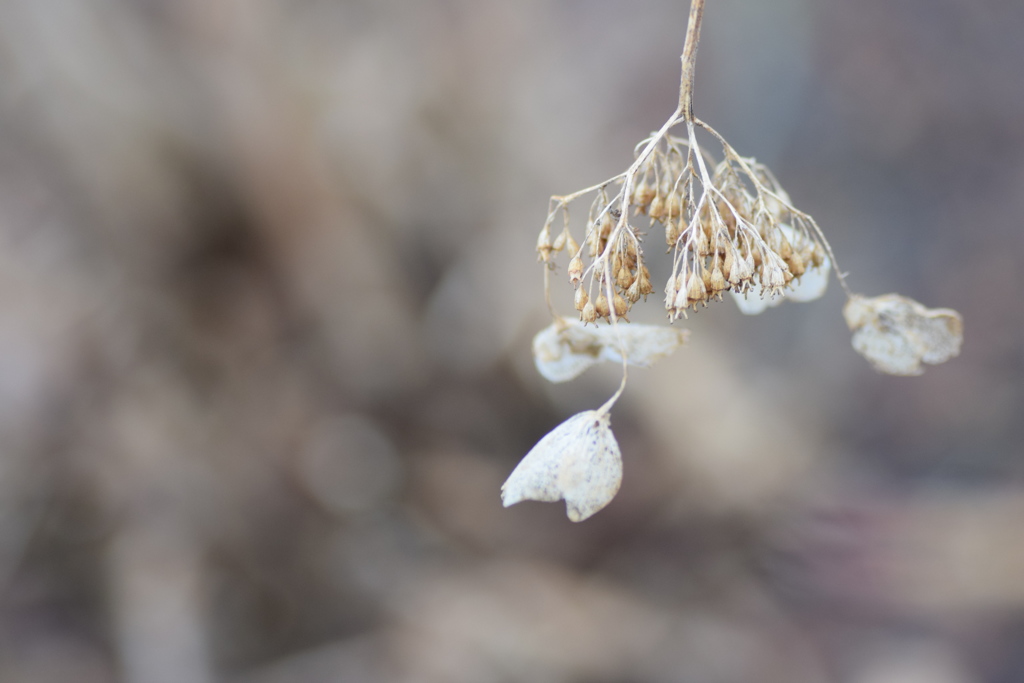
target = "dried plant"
x: 731, y: 228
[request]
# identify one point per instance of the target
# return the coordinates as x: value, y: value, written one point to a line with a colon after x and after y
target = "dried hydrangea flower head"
x: 729, y: 224
x: 731, y: 228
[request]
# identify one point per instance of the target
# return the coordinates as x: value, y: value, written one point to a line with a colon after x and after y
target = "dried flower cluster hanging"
x: 730, y: 227
x: 731, y: 230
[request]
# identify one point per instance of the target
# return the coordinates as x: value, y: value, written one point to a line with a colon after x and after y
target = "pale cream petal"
x: 812, y: 284
x: 897, y: 334
x: 563, y: 352
x: 644, y: 344
x: 752, y: 303
x: 566, y: 348
x: 578, y: 461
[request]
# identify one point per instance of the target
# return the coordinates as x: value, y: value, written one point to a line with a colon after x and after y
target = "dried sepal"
x: 589, y: 313
x: 565, y: 349
x: 559, y: 243
x: 811, y: 284
x: 578, y: 461
x: 641, y: 286
x: 575, y: 270
x: 581, y: 298
x: 896, y: 334
x: 570, y: 244
x: 621, y: 306
x: 544, y: 244
x: 623, y: 278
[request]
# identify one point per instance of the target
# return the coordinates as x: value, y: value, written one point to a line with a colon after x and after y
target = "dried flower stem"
x: 689, y: 59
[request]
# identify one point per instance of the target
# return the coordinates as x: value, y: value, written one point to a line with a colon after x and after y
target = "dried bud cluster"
x: 617, y: 274
x: 734, y: 231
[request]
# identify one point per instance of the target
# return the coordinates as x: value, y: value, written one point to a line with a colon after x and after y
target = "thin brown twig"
x: 689, y: 58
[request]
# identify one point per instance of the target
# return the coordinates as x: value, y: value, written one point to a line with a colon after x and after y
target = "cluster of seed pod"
x: 618, y: 270
x: 731, y: 231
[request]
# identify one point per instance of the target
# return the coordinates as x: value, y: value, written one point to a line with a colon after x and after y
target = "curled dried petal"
x: 897, y: 334
x: 750, y: 303
x: 578, y: 461
x: 565, y: 349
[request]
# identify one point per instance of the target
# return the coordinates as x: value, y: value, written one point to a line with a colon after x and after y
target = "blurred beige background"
x: 267, y: 290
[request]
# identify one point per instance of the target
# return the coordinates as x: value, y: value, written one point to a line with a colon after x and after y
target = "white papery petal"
x: 563, y: 352
x: 644, y: 344
x: 897, y: 334
x: 578, y: 461
x: 564, y: 349
x: 812, y: 284
x: 752, y: 303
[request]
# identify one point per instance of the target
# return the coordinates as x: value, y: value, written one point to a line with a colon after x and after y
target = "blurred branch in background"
x: 266, y: 294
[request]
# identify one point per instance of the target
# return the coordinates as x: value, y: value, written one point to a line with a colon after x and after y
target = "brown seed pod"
x: 581, y: 299
x: 630, y: 254
x: 673, y: 207
x: 544, y: 245
x: 644, y: 278
x: 601, y: 306
x: 741, y: 270
x: 718, y: 282
x: 643, y: 195
x: 575, y: 270
x: 695, y: 290
x: 682, y: 299
x: 559, y: 242
x: 672, y: 232
x: 772, y: 276
x: 705, y: 276
x: 671, y: 291
x: 633, y: 293
x: 783, y: 248
x: 796, y: 264
x: 589, y: 313
x: 817, y: 256
x: 570, y: 244
x: 621, y: 307
x: 703, y: 245
x: 624, y: 278
x: 657, y: 208
x: 641, y: 285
